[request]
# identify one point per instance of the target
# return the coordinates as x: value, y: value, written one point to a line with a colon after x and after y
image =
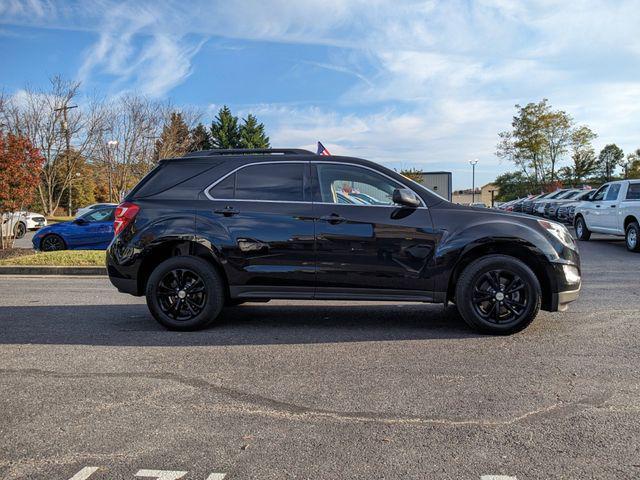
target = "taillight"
x: 125, y: 213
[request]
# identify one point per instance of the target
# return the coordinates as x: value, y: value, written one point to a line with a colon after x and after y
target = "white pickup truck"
x: 613, y: 209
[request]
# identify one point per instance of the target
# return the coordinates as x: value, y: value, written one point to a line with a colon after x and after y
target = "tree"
x: 412, y: 174
x: 512, y: 185
x: 632, y: 165
x: 200, y: 139
x: 224, y: 130
x: 538, y: 140
x: 583, y: 156
x: 20, y: 168
x: 252, y: 134
x: 175, y: 139
x: 610, y: 157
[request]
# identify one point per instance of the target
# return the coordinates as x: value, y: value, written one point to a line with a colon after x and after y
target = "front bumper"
x: 565, y: 298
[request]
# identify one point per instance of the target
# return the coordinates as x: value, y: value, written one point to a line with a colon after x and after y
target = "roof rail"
x: 249, y: 151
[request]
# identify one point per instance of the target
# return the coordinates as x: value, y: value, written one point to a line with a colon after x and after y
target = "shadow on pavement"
x: 251, y: 324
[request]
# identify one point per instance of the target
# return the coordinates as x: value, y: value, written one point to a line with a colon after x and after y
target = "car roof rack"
x: 249, y: 151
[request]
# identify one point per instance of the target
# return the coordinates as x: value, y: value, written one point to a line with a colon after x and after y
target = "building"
x: 485, y: 194
x: 438, y: 182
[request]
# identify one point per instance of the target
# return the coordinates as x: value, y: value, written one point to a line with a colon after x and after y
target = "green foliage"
x: 252, y: 134
x: 539, y: 138
x: 610, y: 157
x: 200, y: 139
x: 225, y: 132
x: 632, y: 165
x: 412, y: 174
x: 583, y: 156
x: 512, y: 185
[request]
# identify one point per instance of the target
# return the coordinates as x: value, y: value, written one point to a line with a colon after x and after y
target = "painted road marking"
x: 497, y: 477
x: 161, y: 474
x: 85, y: 473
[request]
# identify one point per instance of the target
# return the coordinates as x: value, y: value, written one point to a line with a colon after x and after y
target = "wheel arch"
x: 628, y: 220
x: 524, y: 252
x: 164, y: 250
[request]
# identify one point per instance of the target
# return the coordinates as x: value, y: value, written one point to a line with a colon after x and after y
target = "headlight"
x: 559, y: 231
x: 571, y: 274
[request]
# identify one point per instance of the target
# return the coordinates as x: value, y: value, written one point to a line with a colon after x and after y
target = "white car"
x: 21, y: 222
x: 613, y: 209
x: 82, y: 211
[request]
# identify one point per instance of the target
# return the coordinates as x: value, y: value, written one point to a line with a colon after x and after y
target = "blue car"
x: 91, y: 231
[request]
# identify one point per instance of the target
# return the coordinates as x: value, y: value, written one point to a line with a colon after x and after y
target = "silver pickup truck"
x: 613, y: 209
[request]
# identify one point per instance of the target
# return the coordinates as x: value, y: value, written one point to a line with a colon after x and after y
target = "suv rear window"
x: 167, y: 175
x: 282, y: 182
x: 634, y: 191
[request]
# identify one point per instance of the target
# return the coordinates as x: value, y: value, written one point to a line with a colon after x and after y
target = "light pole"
x: 111, y: 144
x: 473, y: 179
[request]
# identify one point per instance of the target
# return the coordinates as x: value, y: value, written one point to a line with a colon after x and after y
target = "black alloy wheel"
x: 51, y: 243
x: 185, y: 293
x: 181, y: 294
x: 498, y: 294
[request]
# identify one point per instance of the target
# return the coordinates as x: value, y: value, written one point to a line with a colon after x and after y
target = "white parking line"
x: 497, y: 477
x: 161, y: 474
x: 217, y: 476
x: 85, y: 473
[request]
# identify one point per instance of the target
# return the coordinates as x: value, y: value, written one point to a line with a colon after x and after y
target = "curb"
x: 50, y: 270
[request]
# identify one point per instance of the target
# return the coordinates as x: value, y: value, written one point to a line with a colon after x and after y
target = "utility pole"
x: 111, y: 145
x: 473, y: 181
x: 67, y: 138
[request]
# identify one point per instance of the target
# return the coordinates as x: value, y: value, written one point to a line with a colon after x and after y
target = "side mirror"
x: 404, y: 196
x: 80, y: 221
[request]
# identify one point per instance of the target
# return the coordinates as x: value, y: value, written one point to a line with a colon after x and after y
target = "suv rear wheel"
x: 632, y: 237
x: 185, y: 293
x: 498, y: 294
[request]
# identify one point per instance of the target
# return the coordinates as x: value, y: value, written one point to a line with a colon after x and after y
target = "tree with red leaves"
x: 20, y: 169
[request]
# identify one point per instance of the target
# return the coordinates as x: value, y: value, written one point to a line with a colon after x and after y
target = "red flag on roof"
x: 322, y: 150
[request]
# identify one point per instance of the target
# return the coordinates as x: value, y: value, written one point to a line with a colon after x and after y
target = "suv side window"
x: 348, y: 184
x: 634, y: 191
x: 602, y: 191
x: 612, y: 194
x: 281, y: 182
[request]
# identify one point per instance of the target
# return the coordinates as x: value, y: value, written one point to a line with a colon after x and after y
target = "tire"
x: 52, y: 243
x: 582, y: 231
x: 498, y: 294
x: 20, y: 230
x: 632, y: 237
x: 185, y: 293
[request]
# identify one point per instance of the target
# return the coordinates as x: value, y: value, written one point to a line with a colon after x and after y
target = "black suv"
x: 222, y: 227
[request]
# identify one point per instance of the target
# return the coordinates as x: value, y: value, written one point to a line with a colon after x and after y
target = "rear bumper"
x: 124, y: 285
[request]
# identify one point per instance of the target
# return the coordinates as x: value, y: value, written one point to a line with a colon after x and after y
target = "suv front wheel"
x: 498, y: 294
x: 185, y: 293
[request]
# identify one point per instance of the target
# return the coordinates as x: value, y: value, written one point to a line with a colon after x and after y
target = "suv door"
x: 259, y: 218
x: 593, y: 208
x: 609, y: 207
x: 364, y: 242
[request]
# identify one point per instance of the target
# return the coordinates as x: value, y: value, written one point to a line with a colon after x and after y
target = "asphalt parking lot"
x: 319, y: 390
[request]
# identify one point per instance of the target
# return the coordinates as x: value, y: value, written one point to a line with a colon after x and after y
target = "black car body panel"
x: 310, y: 249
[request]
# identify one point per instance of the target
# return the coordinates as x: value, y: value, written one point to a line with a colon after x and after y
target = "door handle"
x: 333, y: 219
x: 597, y: 206
x: 613, y: 206
x: 226, y: 211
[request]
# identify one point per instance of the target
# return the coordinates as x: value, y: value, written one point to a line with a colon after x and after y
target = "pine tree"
x: 252, y: 134
x: 174, y: 140
x: 200, y: 139
x: 224, y: 130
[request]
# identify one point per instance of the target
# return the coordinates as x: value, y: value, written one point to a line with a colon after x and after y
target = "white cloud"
x: 433, y: 80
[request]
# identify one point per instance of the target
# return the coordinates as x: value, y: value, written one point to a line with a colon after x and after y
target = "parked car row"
x: 22, y: 222
x: 613, y: 209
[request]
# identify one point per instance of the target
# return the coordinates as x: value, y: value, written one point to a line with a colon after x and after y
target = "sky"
x: 409, y: 84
